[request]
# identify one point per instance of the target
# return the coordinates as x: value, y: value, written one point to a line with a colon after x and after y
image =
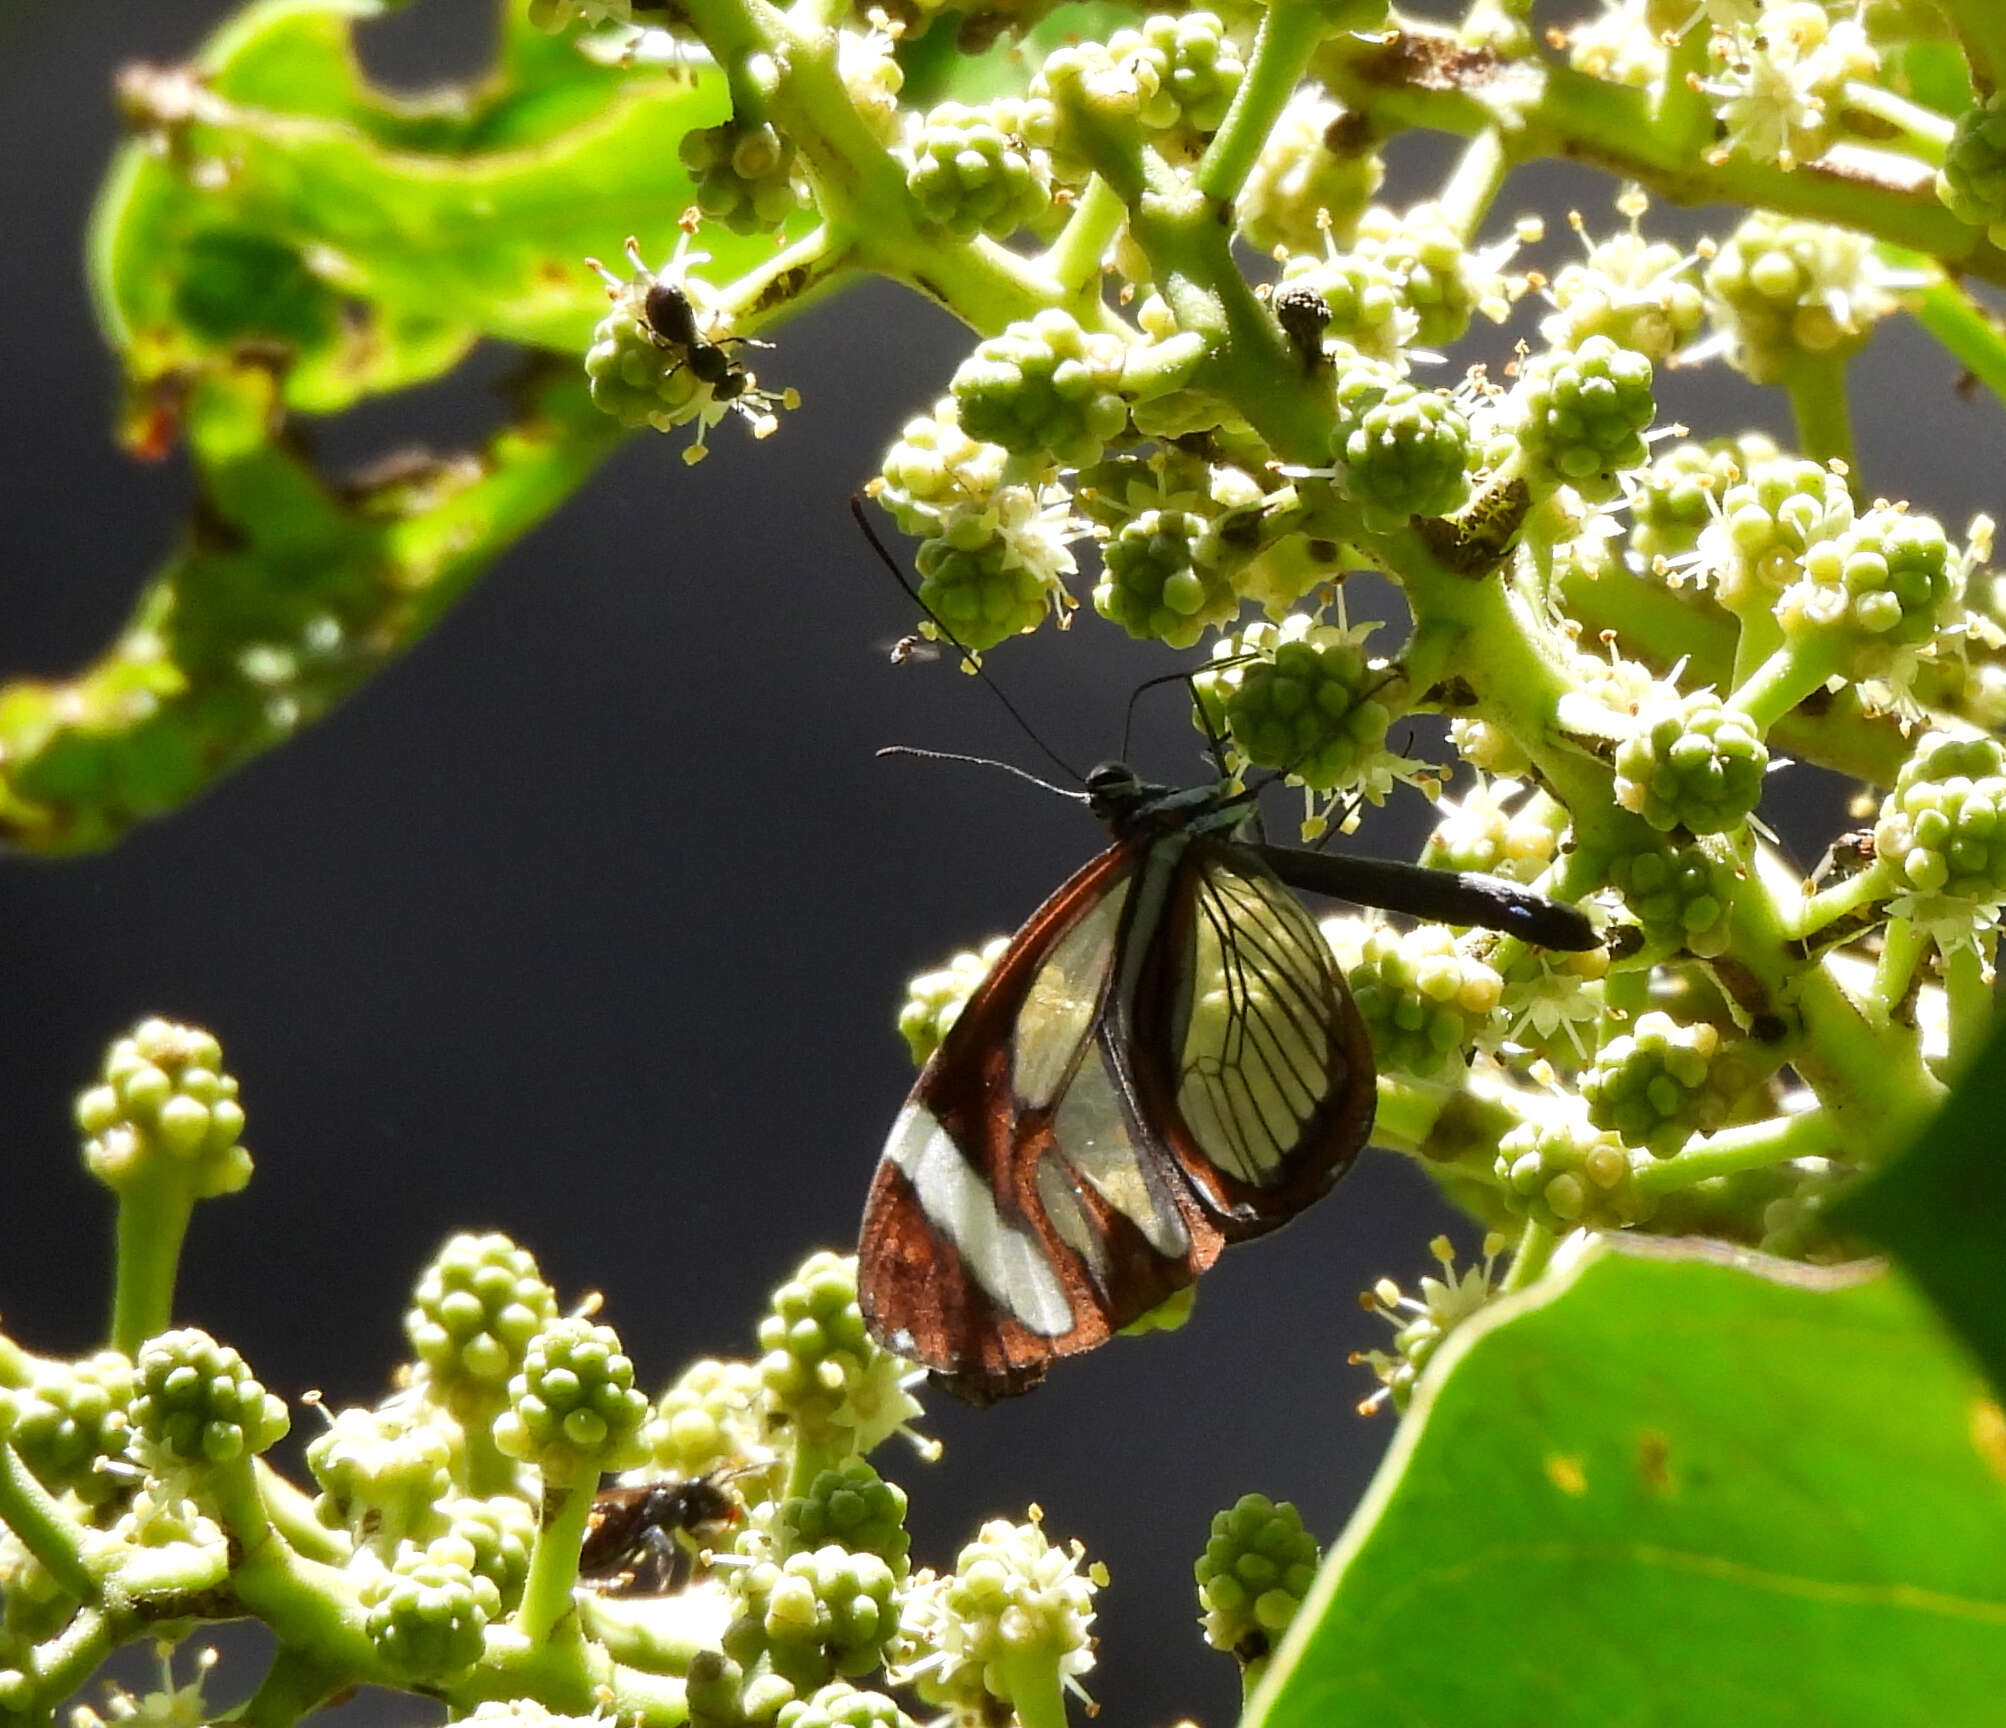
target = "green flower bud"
x: 1890, y: 580
x: 472, y: 1316
x: 1768, y: 522
x: 934, y: 1000
x: 1568, y: 1175
x: 164, y: 1542
x: 68, y: 1421
x: 198, y: 1404
x: 1497, y: 829
x: 1421, y: 1000
x: 1399, y: 451
x: 1045, y: 387
x: 1694, y: 765
x: 426, y: 1616
x: 1672, y: 501
x: 1300, y: 696
x: 573, y: 1409
x: 745, y: 175
x: 1675, y: 896
x: 1942, y: 830
x: 1640, y: 294
x: 1422, y: 1324
x: 492, y: 1539
x: 841, y: 1705
x: 853, y: 1508
x: 708, y: 1420
x: 821, y: 1369
x: 976, y: 579
x: 165, y: 1104
x: 973, y: 173
x: 384, y: 1471
x: 1155, y: 584
x: 1650, y: 1086
x: 1360, y: 298
x: 935, y: 469
x: 1581, y: 415
x: 1442, y: 280
x: 1315, y: 175
x: 814, y: 1615
x: 1258, y: 1565
x: 1972, y: 180
x: 1784, y: 289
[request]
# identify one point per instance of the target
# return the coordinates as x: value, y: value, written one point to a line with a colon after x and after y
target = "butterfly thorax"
x: 1133, y: 808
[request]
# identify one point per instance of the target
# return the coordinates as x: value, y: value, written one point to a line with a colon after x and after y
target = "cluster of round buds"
x: 1258, y: 1565
x: 1768, y: 521
x: 852, y: 1507
x: 1172, y: 80
x: 1563, y: 1173
x: 1783, y: 290
x: 492, y: 1538
x: 573, y: 1409
x: 665, y: 354
x: 1497, y: 828
x: 471, y: 1319
x: 1300, y: 696
x: 1422, y: 1001
x: 936, y: 470
x: 1353, y: 299
x: 1676, y: 895
x: 1942, y: 830
x: 67, y: 1420
x: 1013, y: 1621
x: 841, y: 1705
x: 998, y: 569
x: 1692, y: 764
x: 1675, y: 497
x: 385, y: 1470
x: 746, y: 174
x: 1972, y: 180
x: 708, y: 1420
x: 821, y: 1370
x: 934, y: 1000
x: 1652, y: 1085
x: 1397, y: 451
x: 427, y: 1614
x: 1444, y: 282
x: 1641, y: 294
x: 1315, y: 175
x: 1421, y: 1323
x: 867, y: 64
x: 1045, y: 387
x: 165, y: 1111
x: 196, y: 1403
x: 972, y: 171
x: 1884, y: 587
x: 1156, y: 580
x: 1777, y: 80
x: 1580, y: 416
x: 813, y: 1615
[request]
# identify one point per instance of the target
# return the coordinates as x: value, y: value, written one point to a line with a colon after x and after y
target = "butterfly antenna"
x: 980, y: 762
x: 968, y: 656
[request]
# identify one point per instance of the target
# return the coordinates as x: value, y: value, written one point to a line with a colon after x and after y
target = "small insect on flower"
x: 634, y: 1543
x: 672, y: 318
x: 1165, y: 1060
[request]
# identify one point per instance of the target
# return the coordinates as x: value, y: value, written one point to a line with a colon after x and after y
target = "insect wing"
x: 1251, y: 1059
x: 1165, y: 1059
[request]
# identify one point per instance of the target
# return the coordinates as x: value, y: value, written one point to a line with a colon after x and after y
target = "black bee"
x: 672, y: 318
x: 634, y: 1544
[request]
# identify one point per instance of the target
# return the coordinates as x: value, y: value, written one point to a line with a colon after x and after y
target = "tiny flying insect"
x: 633, y: 1544
x: 1165, y: 1060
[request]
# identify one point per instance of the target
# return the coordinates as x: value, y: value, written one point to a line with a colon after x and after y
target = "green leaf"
x: 1940, y: 1208
x: 1673, y: 1484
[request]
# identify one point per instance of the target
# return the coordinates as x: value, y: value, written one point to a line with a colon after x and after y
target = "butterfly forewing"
x: 1164, y: 1059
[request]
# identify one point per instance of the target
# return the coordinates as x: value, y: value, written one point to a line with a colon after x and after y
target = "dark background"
x: 590, y: 919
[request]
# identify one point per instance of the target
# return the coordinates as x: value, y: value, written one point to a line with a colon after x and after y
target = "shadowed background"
x: 589, y: 920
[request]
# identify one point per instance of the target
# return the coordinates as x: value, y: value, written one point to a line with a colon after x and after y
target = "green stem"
x: 1816, y: 911
x: 1981, y: 27
x: 1474, y: 186
x: 1902, y: 949
x: 1684, y: 114
x: 1289, y: 33
x: 1530, y: 1258
x: 1816, y: 386
x: 292, y: 1516
x: 153, y: 1219
x: 66, y: 1661
x: 1782, y: 681
x: 1811, y: 1134
x: 1968, y: 332
x: 1968, y: 999
x: 553, y: 1561
x: 234, y: 1488
x: 1075, y: 258
x: 36, y: 1518
x: 1031, y: 1682
x: 1924, y: 130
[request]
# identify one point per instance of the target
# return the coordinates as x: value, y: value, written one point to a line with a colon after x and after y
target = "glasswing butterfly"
x: 1165, y: 1060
